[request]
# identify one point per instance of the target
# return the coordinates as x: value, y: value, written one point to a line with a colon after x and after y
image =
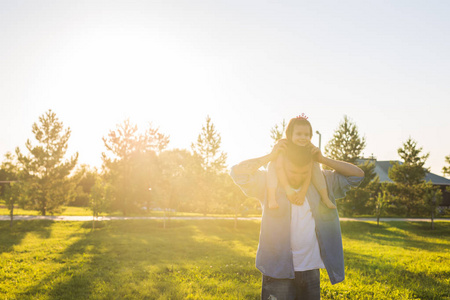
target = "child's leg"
x: 319, y: 182
x: 282, y: 178
x: 272, y: 183
x: 300, y: 196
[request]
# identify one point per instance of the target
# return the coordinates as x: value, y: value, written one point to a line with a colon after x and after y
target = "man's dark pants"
x: 305, y: 286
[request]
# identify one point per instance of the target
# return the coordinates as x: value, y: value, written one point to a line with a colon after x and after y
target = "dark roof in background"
x: 382, y: 169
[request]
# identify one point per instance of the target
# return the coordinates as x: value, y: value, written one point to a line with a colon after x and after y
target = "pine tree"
x: 446, y: 169
x: 346, y: 144
x: 277, y: 131
x: 207, y: 149
x: 43, y: 173
x: 411, y: 171
x: 409, y: 176
x: 362, y: 199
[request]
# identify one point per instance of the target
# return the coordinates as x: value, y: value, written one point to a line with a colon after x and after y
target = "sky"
x: 248, y: 65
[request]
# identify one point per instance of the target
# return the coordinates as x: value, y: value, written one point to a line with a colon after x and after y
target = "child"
x: 298, y: 134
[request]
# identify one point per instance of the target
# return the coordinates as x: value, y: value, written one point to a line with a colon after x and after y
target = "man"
x: 297, y: 240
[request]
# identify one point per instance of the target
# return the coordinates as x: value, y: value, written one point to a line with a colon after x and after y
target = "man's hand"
x: 280, y: 147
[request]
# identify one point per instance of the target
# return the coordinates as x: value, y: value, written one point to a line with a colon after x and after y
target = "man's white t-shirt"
x: 304, y: 245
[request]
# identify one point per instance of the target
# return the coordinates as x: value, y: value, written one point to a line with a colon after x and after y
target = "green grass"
x: 397, y: 260
x: 207, y: 259
x: 85, y: 211
x: 66, y: 211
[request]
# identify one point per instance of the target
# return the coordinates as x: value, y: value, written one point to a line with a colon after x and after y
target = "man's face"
x: 296, y: 175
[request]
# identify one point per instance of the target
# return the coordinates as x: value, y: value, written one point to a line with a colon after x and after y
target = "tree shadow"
x: 246, y: 233
x: 423, y: 229
x: 11, y: 236
x: 419, y: 283
x: 140, y: 260
x: 407, y: 235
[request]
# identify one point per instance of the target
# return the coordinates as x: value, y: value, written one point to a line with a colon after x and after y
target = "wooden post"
x: 11, y: 213
x: 164, y: 218
x: 378, y: 213
x: 432, y: 211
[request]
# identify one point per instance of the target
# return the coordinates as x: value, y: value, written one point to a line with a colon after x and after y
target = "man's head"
x: 297, y: 164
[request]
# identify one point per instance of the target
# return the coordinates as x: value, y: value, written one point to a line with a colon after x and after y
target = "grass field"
x: 207, y: 259
x: 85, y: 211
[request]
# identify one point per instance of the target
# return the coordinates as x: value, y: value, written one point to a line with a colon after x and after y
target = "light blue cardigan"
x: 274, y: 255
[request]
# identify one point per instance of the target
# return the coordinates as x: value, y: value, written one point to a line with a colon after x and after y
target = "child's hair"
x: 297, y: 121
x: 299, y: 155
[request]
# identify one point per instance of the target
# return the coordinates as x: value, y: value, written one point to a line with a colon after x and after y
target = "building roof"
x: 382, y: 169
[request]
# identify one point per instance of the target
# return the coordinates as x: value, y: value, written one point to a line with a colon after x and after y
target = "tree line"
x: 139, y: 173
x: 409, y: 194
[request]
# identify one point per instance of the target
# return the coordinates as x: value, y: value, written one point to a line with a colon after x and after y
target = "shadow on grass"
x: 419, y: 283
x: 400, y: 234
x: 11, y: 236
x: 141, y: 260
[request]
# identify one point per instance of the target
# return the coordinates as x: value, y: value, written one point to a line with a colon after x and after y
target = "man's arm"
x: 251, y: 181
x: 250, y: 166
x: 342, y: 167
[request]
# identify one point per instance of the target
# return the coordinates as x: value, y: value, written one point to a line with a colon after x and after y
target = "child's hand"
x: 299, y: 198
x: 291, y: 198
x: 316, y: 153
x: 279, y: 147
x: 290, y: 194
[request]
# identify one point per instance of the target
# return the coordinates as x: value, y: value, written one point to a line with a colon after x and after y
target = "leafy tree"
x: 145, y: 175
x: 99, y: 198
x: 446, y: 169
x: 176, y: 188
x: 85, y: 178
x: 130, y: 164
x: 8, y: 188
x: 346, y: 144
x: 432, y: 198
x: 232, y: 199
x: 382, y: 202
x: 43, y: 173
x: 356, y: 201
